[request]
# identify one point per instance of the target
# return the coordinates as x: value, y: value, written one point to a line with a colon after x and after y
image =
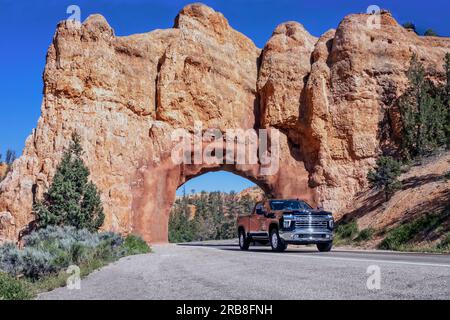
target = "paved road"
x: 219, y: 270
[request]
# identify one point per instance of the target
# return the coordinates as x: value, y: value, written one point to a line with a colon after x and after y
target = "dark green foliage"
x: 410, y: 26
x: 447, y: 176
x: 365, y: 235
x: 447, y: 72
x: 446, y: 96
x: 71, y: 199
x: 10, y: 157
x: 445, y: 243
x: 398, y: 237
x: 13, y: 289
x: 430, y: 33
x: 215, y: 216
x: 347, y: 230
x: 385, y: 176
x: 424, y: 114
x: 134, y: 244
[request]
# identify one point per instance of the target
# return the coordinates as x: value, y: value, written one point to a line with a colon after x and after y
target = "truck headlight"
x: 286, y: 224
x: 331, y: 224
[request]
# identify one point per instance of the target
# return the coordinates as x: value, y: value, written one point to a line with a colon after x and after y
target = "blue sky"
x: 27, y: 27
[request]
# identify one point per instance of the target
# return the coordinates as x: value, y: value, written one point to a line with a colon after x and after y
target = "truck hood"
x: 315, y: 212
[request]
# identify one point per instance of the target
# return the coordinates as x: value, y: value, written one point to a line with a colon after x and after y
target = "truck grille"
x: 311, y: 224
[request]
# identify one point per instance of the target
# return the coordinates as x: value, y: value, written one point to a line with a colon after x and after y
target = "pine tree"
x: 431, y: 33
x: 447, y: 73
x: 410, y: 26
x: 10, y: 157
x: 385, y: 176
x: 215, y: 217
x: 424, y: 114
x: 180, y: 228
x: 71, y: 199
x: 446, y: 97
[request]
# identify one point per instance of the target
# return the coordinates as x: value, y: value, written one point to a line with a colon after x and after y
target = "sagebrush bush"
x: 52, y: 249
x: 47, y: 252
x: 30, y: 262
x: 13, y: 289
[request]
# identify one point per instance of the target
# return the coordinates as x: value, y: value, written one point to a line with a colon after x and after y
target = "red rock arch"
x: 154, y: 196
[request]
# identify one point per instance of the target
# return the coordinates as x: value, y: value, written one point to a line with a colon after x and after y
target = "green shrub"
x: 445, y: 243
x: 347, y: 230
x: 135, y: 245
x: 365, y: 235
x: 398, y: 237
x: 447, y: 176
x: 13, y: 289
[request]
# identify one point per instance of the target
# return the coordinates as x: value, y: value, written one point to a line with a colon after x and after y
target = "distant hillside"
x: 254, y: 193
x: 209, y: 215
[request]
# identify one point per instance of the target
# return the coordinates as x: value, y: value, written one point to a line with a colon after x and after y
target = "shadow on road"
x: 309, y: 250
x: 196, y: 244
x: 235, y: 247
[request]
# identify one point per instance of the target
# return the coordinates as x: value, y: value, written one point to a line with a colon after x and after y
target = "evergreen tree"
x: 446, y: 96
x: 10, y: 157
x: 385, y: 176
x: 410, y: 26
x: 215, y: 217
x: 424, y: 114
x: 447, y: 73
x: 180, y: 228
x: 71, y: 199
x: 430, y: 33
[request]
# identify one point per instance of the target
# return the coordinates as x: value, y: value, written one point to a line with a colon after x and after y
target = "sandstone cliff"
x: 125, y: 95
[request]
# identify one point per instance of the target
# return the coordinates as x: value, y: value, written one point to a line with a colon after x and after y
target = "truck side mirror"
x: 269, y: 215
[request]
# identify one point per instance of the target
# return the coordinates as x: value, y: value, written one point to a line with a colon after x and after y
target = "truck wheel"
x: 276, y: 242
x: 244, y: 242
x: 324, y: 247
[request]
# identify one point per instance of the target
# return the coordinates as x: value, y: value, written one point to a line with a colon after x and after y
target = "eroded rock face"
x: 126, y: 95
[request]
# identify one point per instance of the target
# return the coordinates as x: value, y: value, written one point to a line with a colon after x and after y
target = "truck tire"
x: 325, y: 247
x: 277, y: 244
x: 244, y: 242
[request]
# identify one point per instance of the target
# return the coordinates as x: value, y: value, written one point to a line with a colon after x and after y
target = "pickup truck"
x: 283, y: 222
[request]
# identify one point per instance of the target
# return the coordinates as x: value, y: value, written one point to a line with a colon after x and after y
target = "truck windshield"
x: 289, y: 205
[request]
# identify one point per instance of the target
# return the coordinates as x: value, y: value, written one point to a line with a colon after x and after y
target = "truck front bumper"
x: 307, y: 236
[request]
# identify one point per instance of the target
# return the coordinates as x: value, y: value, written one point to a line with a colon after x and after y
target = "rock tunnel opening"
x: 207, y: 205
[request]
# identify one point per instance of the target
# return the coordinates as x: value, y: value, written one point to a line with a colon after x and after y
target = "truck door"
x: 257, y: 220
